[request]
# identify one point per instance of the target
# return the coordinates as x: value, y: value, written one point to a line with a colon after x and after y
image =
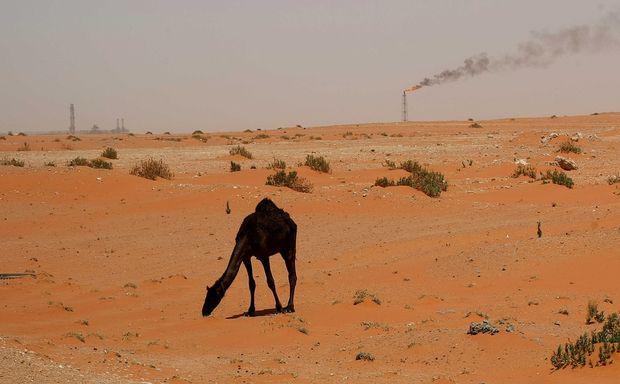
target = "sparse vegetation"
x: 261, y: 136
x: 13, y: 162
x: 557, y: 177
x: 21, y: 134
x: 197, y: 132
x: 277, y: 164
x: 303, y: 330
x: 152, y: 169
x: 429, y: 182
x: 389, y: 164
x: 578, y: 353
x: 475, y: 125
x: 290, y: 180
x: 100, y: 164
x: 235, y: 167
x: 109, y: 153
x: 361, y: 295
x: 317, y: 163
x: 73, y: 138
x: 524, y: 170
x: 78, y: 162
x: 50, y: 164
x: 239, y: 150
x: 364, y: 356
x: 568, y: 147
x: 24, y: 147
x: 593, y: 313
x: 613, y: 179
x: 76, y: 335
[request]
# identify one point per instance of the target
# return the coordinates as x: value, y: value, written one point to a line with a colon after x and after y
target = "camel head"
x: 213, y: 298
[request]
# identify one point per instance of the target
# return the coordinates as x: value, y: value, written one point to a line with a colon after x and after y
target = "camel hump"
x: 266, y: 205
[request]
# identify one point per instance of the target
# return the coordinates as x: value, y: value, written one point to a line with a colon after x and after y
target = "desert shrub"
x: 364, y: 356
x: 384, y: 182
x: 290, y: 180
x: 239, y: 150
x: 524, y: 170
x: 613, y: 179
x: 24, y: 148
x: 10, y: 133
x: 361, y: 295
x: 73, y: 138
x: 12, y: 162
x: 197, y: 132
x: 200, y: 137
x: 347, y: 133
x: 77, y: 335
x: 235, y: 167
x: 130, y: 134
x: 578, y: 352
x: 148, y: 133
x: 277, y: 164
x: 248, y: 131
x: 166, y: 133
x: 593, y: 313
x: 151, y: 169
x: 2, y: 138
x: 78, y: 162
x: 109, y: 153
x: 261, y: 136
x: 100, y: 164
x: 568, y: 147
x: 318, y: 163
x: 475, y: 125
x: 429, y: 182
x: 557, y: 177
x: 50, y: 164
x: 389, y: 164
x: 21, y: 134
x: 316, y: 138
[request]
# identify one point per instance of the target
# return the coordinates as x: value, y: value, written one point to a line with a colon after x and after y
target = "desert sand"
x: 121, y: 263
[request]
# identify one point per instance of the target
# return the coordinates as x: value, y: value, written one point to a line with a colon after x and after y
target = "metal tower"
x: 71, y: 119
x: 404, y: 106
x: 123, y: 124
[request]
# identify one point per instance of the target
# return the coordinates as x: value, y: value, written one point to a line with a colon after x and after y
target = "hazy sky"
x: 233, y: 65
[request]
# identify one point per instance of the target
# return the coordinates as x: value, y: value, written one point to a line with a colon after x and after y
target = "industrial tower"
x: 71, y: 119
x: 411, y: 89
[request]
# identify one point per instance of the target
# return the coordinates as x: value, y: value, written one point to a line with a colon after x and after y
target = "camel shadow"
x: 262, y: 312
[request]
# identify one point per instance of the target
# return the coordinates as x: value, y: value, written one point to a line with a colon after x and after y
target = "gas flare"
x: 411, y: 89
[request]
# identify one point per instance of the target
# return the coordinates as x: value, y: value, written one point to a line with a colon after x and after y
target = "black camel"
x: 267, y: 231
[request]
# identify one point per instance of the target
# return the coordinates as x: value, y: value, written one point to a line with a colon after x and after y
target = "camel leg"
x: 289, y: 259
x: 248, y: 266
x: 271, y: 283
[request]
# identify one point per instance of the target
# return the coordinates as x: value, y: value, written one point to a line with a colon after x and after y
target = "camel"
x: 267, y: 231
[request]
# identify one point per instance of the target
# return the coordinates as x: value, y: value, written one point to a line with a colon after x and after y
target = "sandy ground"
x: 121, y: 263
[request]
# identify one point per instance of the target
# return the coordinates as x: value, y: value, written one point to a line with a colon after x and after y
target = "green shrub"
x: 152, y: 169
x: 100, y: 164
x: 578, y: 353
x: 109, y: 153
x: 524, y: 170
x: 318, y: 163
x: 389, y: 164
x: 384, y: 182
x: 78, y: 162
x: 239, y: 150
x: 593, y: 313
x: 235, y: 167
x: 568, y: 147
x: 557, y: 177
x: 12, y: 162
x: 276, y: 164
x: 429, y: 182
x: 290, y: 180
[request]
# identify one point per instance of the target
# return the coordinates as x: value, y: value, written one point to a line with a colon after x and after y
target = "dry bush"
x: 277, y: 164
x: 100, y: 164
x: 152, y: 169
x: 524, y: 170
x: 235, y: 167
x: 317, y: 163
x: 557, y: 177
x: 109, y: 153
x: 12, y: 162
x: 239, y: 150
x: 290, y: 180
x: 568, y: 147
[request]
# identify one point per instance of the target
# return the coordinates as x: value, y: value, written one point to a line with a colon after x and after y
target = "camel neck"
x: 236, y: 258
